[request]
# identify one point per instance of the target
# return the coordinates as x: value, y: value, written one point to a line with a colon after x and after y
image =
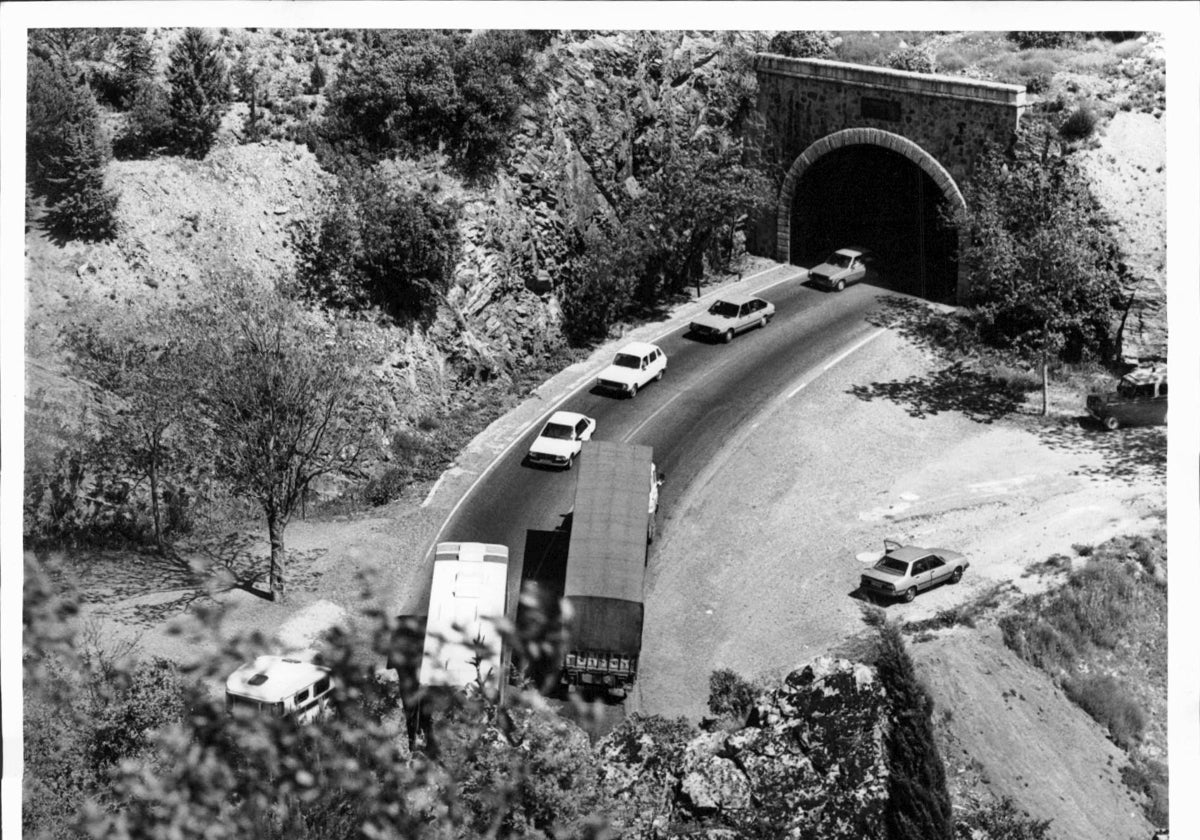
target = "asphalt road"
x: 710, y: 391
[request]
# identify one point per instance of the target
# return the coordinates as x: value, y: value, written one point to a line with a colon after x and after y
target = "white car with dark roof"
x: 561, y: 438
x: 635, y: 366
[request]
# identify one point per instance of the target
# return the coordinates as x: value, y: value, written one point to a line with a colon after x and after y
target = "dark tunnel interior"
x: 873, y: 197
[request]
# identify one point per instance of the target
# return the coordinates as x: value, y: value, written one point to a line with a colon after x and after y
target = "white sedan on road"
x: 561, y: 439
x: 635, y: 366
x: 732, y: 314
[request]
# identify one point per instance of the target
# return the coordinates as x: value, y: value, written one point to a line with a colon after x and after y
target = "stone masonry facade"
x: 941, y: 123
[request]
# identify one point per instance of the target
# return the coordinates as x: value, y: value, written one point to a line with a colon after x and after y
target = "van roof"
x: 272, y: 678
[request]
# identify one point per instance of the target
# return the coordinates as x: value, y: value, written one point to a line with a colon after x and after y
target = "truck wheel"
x: 957, y: 576
x: 1112, y: 423
x: 910, y: 593
x: 841, y: 286
x: 728, y: 337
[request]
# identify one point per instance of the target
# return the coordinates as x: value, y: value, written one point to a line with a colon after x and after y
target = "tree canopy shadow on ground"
x: 147, y: 588
x: 1130, y: 454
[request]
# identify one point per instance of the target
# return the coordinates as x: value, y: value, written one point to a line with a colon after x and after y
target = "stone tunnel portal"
x: 871, y: 196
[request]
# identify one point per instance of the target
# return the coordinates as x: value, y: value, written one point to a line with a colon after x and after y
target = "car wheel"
x: 658, y: 378
x: 570, y: 462
x: 957, y: 576
x: 762, y: 322
x: 1112, y: 423
x: 910, y: 593
x: 728, y: 337
x: 633, y: 390
x: 841, y: 285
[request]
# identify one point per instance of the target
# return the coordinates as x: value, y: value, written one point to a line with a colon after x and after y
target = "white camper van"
x: 280, y: 685
x: 469, y: 593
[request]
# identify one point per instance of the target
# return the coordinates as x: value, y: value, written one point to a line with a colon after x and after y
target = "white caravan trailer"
x: 469, y: 593
x: 280, y: 685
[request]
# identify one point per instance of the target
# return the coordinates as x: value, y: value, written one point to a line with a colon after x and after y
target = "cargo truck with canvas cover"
x: 616, y: 499
x: 468, y: 596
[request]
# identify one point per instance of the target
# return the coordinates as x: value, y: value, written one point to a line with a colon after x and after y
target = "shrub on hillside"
x: 1150, y: 778
x: 1045, y: 39
x: 730, y: 694
x: 803, y: 44
x: 914, y: 59
x: 1079, y: 125
x: 1112, y: 705
x: 381, y: 244
x: 1000, y: 821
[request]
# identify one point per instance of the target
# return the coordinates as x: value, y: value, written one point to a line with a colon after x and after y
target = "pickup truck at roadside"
x: 1140, y: 400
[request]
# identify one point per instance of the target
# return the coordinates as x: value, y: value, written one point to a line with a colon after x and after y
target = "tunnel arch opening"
x: 873, y: 189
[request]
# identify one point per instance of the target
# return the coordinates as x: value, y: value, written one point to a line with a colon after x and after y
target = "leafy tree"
x: 250, y: 81
x: 67, y: 152
x: 148, y: 427
x: 199, y: 91
x: 382, y: 244
x: 918, y: 799
x: 598, y: 290
x: 316, y: 76
x: 1042, y: 267
x: 285, y: 396
x: 802, y: 44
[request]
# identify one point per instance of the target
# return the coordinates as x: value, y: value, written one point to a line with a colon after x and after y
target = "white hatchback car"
x: 635, y: 366
x: 561, y: 438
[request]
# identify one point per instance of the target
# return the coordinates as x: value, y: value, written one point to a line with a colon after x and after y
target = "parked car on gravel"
x: 904, y: 570
x: 732, y: 314
x: 843, y: 267
x: 1140, y: 400
x: 634, y: 367
x: 560, y: 440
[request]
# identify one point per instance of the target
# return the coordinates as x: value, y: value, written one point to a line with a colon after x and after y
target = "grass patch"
x: 1111, y: 704
x: 874, y: 47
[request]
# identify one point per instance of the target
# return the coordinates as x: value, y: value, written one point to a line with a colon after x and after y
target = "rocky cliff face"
x: 808, y: 763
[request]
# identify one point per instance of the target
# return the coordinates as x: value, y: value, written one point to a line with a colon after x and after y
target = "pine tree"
x: 199, y: 90
x: 67, y: 152
x: 135, y: 60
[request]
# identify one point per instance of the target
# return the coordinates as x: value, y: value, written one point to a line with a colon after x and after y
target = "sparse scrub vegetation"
x: 1108, y: 701
x: 803, y: 44
x: 912, y: 59
x: 731, y: 695
x: 1045, y: 39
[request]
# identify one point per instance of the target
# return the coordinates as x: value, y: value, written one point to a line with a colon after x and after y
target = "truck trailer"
x: 469, y: 594
x: 616, y: 499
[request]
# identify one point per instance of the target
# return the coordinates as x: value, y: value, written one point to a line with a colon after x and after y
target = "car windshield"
x: 840, y: 260
x: 558, y: 431
x: 627, y: 360
x: 723, y: 309
x: 892, y: 566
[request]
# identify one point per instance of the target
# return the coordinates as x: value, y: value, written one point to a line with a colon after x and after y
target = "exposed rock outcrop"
x: 809, y: 762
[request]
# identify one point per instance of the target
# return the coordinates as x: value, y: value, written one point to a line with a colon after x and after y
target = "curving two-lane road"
x: 709, y: 393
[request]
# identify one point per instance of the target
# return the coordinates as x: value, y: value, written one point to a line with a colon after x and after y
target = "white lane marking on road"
x: 575, y: 389
x: 796, y: 390
x: 628, y: 437
x: 856, y: 347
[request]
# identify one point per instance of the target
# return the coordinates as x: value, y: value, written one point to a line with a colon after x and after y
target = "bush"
x: 1111, y: 704
x: 803, y: 44
x: 912, y: 59
x: 949, y: 61
x: 1150, y: 779
x: 730, y: 695
x: 1079, y: 125
x: 1044, y: 39
x: 1000, y: 821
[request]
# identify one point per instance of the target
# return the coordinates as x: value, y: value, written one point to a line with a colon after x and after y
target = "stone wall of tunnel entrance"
x: 873, y: 189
